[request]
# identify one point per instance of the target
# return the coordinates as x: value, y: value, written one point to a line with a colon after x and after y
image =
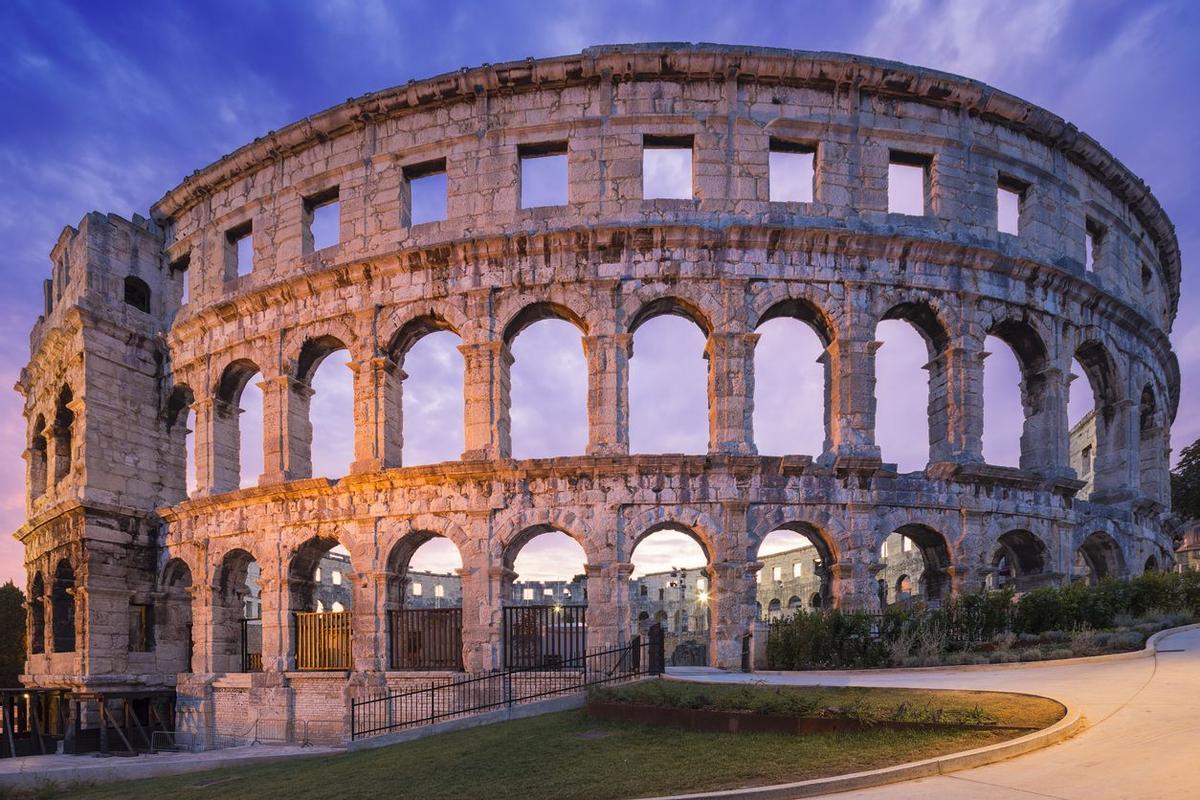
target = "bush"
x: 826, y: 639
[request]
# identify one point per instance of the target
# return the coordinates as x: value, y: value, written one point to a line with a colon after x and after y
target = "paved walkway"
x: 1142, y: 738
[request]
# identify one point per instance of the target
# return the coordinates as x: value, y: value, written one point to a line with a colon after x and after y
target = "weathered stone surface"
x: 108, y: 384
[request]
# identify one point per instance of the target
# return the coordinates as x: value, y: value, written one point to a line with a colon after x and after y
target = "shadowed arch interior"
x: 935, y: 553
x: 536, y: 312
x: 37, y: 614
x: 62, y: 602
x: 670, y: 306
x: 1099, y: 557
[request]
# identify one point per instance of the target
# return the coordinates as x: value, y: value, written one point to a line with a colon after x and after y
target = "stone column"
x: 378, y: 409
x: 731, y: 610
x: 370, y: 646
x: 731, y: 392
x: 287, y: 430
x: 850, y: 364
x: 609, y: 621
x: 278, y: 634
x: 608, y: 393
x: 487, y: 429
x: 1116, y: 475
x: 956, y: 405
x: 1044, y: 435
x: 485, y: 586
x: 216, y: 447
x: 202, y: 598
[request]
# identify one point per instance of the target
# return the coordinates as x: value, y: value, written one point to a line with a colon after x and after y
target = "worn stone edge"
x: 1071, y: 724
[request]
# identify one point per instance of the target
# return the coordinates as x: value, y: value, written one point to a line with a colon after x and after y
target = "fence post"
x: 658, y: 656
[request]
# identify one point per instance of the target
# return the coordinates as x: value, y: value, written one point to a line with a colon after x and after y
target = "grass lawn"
x: 567, y: 755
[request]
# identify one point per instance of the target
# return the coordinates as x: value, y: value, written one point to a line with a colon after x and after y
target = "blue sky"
x: 108, y: 105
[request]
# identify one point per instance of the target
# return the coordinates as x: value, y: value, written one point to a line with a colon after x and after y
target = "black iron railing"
x: 475, y: 694
x: 544, y: 637
x: 426, y: 638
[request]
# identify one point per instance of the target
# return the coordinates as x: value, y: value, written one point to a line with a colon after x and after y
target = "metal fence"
x: 426, y: 638
x: 30, y: 721
x: 323, y: 640
x: 544, y: 637
x: 475, y: 694
x: 251, y: 645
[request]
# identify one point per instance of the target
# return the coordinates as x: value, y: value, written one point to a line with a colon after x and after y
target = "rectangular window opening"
x: 427, y: 191
x: 239, y: 250
x: 1093, y: 241
x: 322, y: 221
x: 791, y: 170
x: 179, y: 269
x: 141, y: 627
x: 543, y: 174
x: 908, y: 184
x: 667, y: 168
x: 1147, y: 277
x: 1010, y: 195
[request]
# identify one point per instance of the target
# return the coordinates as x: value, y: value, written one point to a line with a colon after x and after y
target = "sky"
x: 109, y: 105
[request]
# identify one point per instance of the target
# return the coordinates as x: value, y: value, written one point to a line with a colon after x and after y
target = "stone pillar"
x: 216, y: 447
x: 1044, y: 446
x: 609, y: 618
x: 608, y: 393
x: 1116, y: 476
x: 203, y: 608
x: 484, y: 587
x: 850, y: 364
x: 731, y: 610
x: 731, y: 392
x: 278, y: 632
x: 378, y: 409
x: 487, y: 428
x: 956, y: 405
x: 287, y: 430
x: 369, y: 603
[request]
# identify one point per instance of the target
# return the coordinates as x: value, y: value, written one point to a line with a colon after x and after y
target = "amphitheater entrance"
x: 544, y: 623
x: 671, y: 585
x: 320, y: 599
x: 1099, y: 557
x: 237, y: 615
x: 424, y: 604
x: 913, y: 567
x: 796, y: 574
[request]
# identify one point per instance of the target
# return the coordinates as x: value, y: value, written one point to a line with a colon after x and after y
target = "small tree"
x: 12, y: 634
x: 1185, y: 483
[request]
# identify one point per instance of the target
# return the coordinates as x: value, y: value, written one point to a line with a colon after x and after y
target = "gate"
x: 426, y: 638
x: 544, y: 637
x: 323, y: 640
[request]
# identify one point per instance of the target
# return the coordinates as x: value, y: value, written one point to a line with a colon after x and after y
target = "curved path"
x: 1142, y: 738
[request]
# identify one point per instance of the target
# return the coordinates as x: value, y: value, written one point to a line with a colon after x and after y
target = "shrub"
x: 826, y: 639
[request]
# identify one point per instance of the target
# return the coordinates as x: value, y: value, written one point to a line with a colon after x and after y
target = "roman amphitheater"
x: 137, y: 589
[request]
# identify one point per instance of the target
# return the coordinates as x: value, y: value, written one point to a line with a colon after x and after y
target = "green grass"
x: 567, y: 755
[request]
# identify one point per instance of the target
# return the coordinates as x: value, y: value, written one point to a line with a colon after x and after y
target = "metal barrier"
x: 426, y: 638
x: 475, y: 694
x: 544, y: 636
x: 323, y: 640
x: 251, y: 645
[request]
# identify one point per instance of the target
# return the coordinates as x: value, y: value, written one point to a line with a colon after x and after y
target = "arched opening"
x: 62, y: 608
x: 181, y: 425
x: 324, y: 367
x: 237, y: 615
x: 796, y: 560
x: 795, y: 603
x: 545, y: 605
x: 37, y: 459
x: 64, y: 423
x: 137, y: 293
x: 174, y: 618
x: 37, y: 615
x: 321, y: 601
x: 920, y: 556
x: 1152, y: 448
x: 1099, y: 557
x: 792, y: 380
x: 426, y: 351
x: 672, y: 577
x: 1017, y: 561
x: 774, y: 609
x: 548, y: 406
x: 816, y: 601
x: 1151, y: 565
x: 1015, y: 423
x: 668, y: 380
x: 910, y: 379
x: 237, y: 448
x: 1091, y: 418
x: 424, y: 603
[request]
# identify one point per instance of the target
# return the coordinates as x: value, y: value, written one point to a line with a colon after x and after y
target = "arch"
x: 928, y: 323
x: 1098, y: 557
x: 804, y: 310
x: 795, y: 602
x: 237, y: 611
x: 816, y: 601
x: 1029, y: 351
x: 911, y: 386
x: 935, y: 555
x: 1102, y: 374
x: 515, y: 529
x: 37, y: 614
x: 179, y: 403
x: 694, y: 523
x: 1023, y: 555
x: 173, y: 618
x: 62, y: 607
x: 137, y: 293
x: 1151, y: 564
x: 303, y: 563
x: 774, y: 607
x: 399, y: 560
x: 64, y: 423
x: 538, y: 311
x: 904, y: 588
x: 38, y: 454
x: 313, y: 351
x: 672, y: 306
x: 233, y: 380
x: 823, y: 565
x: 793, y: 380
x: 513, y: 547
x: 548, y: 380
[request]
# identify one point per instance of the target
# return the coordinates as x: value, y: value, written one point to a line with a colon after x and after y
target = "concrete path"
x: 1142, y: 738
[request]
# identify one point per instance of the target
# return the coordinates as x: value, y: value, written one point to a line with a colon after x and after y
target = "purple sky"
x: 108, y: 108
